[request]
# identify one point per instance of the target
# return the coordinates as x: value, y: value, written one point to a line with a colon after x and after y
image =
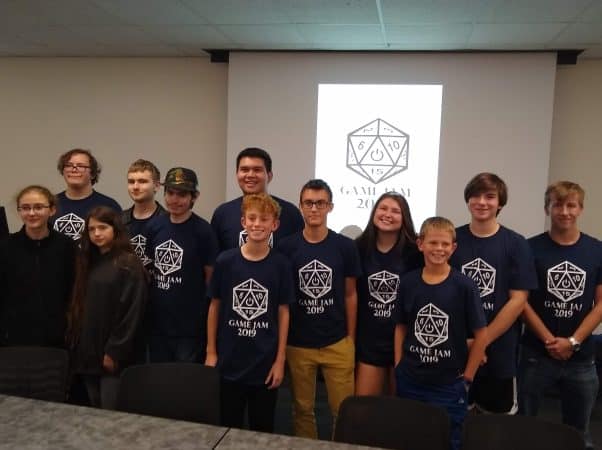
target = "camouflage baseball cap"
x: 181, y: 178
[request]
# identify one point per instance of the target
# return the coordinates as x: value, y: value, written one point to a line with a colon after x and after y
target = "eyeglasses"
x: 320, y: 204
x: 76, y: 167
x: 35, y: 208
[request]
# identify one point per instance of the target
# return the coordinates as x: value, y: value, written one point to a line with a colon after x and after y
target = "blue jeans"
x: 576, y: 381
x: 451, y: 397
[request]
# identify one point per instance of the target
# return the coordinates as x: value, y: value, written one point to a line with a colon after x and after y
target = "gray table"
x: 27, y: 424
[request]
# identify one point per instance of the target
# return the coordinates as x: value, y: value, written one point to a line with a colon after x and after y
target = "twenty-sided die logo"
x: 377, y: 151
x: 482, y: 274
x: 315, y: 279
x: 71, y: 225
x: 250, y: 299
x: 566, y: 281
x: 431, y: 326
x: 139, y: 245
x: 168, y: 257
x: 383, y: 285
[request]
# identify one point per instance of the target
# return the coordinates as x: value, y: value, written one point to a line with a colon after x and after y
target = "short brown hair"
x: 485, y: 182
x: 438, y: 223
x: 561, y: 190
x: 140, y: 165
x: 50, y: 198
x: 263, y: 202
x: 94, y: 165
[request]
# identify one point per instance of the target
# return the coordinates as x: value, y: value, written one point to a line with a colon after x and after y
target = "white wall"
x: 496, y: 116
x: 577, y: 136
x: 171, y: 111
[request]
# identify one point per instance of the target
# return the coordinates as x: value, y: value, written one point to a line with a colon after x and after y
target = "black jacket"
x: 3, y: 224
x: 36, y: 279
x: 116, y: 294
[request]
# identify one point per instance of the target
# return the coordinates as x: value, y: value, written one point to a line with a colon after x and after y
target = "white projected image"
x: 373, y: 139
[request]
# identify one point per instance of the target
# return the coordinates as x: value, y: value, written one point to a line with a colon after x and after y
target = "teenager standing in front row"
x: 36, y: 275
x: 324, y: 316
x: 107, y: 307
x: 251, y: 289
x: 387, y: 250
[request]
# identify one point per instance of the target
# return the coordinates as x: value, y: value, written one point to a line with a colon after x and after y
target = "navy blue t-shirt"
x: 179, y: 251
x: 318, y: 314
x: 439, y: 318
x: 137, y: 230
x: 498, y: 264
x: 377, y: 299
x: 71, y: 215
x: 230, y: 233
x: 250, y: 293
x: 568, y: 276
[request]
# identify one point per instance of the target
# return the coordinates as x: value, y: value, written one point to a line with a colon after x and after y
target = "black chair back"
x: 392, y: 422
x: 502, y: 432
x: 34, y: 372
x: 182, y: 391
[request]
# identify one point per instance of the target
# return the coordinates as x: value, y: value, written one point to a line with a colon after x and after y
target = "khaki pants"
x: 337, y: 362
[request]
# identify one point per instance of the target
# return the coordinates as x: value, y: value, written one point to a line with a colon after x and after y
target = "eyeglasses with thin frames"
x: 37, y: 208
x: 76, y: 167
x: 319, y: 204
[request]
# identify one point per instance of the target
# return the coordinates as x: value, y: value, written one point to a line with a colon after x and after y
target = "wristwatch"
x: 575, y: 343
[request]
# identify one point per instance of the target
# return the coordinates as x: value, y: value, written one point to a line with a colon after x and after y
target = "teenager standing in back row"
x: 499, y: 261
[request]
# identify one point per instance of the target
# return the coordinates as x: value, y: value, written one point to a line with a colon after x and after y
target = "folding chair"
x: 34, y: 372
x: 392, y: 422
x: 502, y: 432
x: 181, y: 391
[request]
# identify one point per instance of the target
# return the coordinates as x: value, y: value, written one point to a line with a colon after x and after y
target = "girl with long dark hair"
x: 108, y: 303
x: 387, y: 249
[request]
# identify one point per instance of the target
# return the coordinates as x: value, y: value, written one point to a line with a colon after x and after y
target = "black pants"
x: 259, y: 400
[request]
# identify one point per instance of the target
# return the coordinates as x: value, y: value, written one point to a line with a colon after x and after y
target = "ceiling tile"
x: 151, y: 12
x: 436, y: 11
x: 583, y: 33
x: 202, y: 36
x: 332, y: 11
x: 343, y: 34
x: 452, y: 35
x: 538, y: 11
x: 61, y: 27
x: 242, y: 12
x: 115, y: 35
x: 520, y: 35
x: 593, y: 13
x: 261, y: 36
x: 49, y: 36
x: 142, y: 50
x: 55, y: 12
